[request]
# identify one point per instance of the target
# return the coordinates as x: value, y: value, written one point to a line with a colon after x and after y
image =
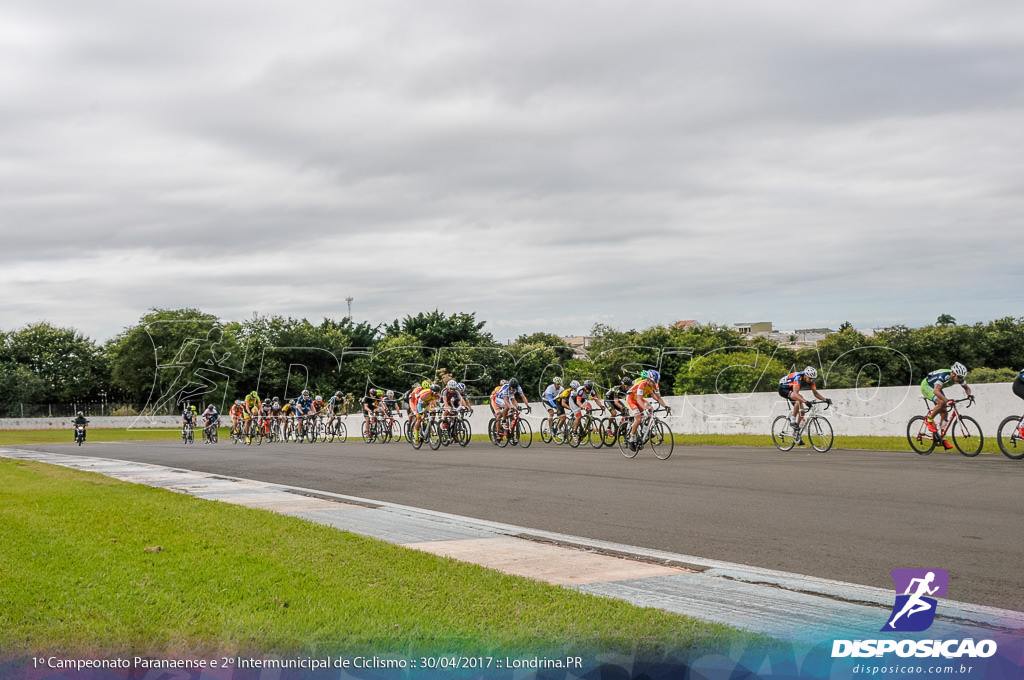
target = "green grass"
x: 94, y: 566
x: 21, y: 437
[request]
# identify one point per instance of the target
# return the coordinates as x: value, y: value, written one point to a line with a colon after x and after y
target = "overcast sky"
x: 547, y: 165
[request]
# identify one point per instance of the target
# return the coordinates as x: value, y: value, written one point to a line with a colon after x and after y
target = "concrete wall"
x: 871, y: 412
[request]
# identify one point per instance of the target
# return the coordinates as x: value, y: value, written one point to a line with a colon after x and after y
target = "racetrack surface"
x: 846, y: 515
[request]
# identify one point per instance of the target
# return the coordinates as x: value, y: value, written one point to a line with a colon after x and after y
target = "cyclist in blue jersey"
x: 789, y: 389
x: 932, y: 389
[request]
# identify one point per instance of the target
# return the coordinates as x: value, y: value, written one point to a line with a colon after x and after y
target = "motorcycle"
x: 79, y: 434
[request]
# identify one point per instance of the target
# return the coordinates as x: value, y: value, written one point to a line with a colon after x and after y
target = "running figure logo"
x: 914, y: 610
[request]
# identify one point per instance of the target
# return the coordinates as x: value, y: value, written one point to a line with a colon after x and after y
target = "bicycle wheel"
x: 340, y: 431
x: 919, y: 436
x: 624, y: 448
x: 416, y: 436
x: 464, y: 434
x: 662, y: 441
x: 575, y: 434
x: 559, y: 434
x: 367, y: 432
x: 594, y: 437
x: 819, y: 434
x: 609, y: 432
x: 524, y: 434
x: 967, y: 436
x: 434, y: 436
x: 545, y: 431
x: 498, y: 438
x: 1010, y: 442
x: 782, y: 434
x: 513, y: 434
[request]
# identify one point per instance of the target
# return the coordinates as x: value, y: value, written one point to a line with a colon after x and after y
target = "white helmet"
x: 575, y: 384
x: 556, y: 380
x: 452, y: 384
x: 959, y: 370
x: 811, y: 372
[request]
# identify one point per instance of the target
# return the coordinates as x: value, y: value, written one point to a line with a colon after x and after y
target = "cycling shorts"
x: 497, y: 403
x: 785, y: 391
x: 927, y: 391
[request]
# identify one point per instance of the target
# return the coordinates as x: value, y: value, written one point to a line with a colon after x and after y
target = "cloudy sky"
x: 547, y: 165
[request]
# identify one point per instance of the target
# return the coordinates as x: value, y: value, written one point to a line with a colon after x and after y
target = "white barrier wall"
x: 856, y: 412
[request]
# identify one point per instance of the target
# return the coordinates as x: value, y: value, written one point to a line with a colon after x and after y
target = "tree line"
x: 174, y: 355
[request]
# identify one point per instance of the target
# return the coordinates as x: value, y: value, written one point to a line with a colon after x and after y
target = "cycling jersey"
x: 303, y: 404
x: 236, y: 411
x: 506, y: 392
x: 564, y: 394
x: 287, y: 409
x: 369, y: 402
x: 793, y: 379
x: 551, y: 393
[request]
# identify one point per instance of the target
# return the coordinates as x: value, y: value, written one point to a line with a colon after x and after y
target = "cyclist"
x: 580, y: 397
x: 188, y: 417
x: 426, y: 400
x: 615, y: 399
x: 452, y: 400
x: 237, y: 414
x: 504, y: 397
x: 646, y: 387
x: 550, y: 399
x: 335, y: 404
x: 932, y: 389
x: 288, y: 412
x: 276, y: 414
x: 303, y: 408
x: 253, y: 405
x: 1018, y: 389
x: 369, y: 405
x: 789, y: 389
x: 210, y: 416
x: 563, y: 399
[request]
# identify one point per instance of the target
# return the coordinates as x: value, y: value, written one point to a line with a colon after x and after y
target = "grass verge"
x: 95, y: 566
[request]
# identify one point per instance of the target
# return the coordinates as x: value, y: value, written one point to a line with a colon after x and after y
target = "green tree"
x: 69, y: 365
x: 436, y: 330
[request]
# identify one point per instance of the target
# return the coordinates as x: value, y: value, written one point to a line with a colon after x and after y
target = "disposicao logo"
x: 914, y: 611
x: 916, y: 590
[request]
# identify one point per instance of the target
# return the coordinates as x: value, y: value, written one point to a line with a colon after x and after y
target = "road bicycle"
x: 611, y: 426
x: 652, y: 431
x: 210, y: 433
x: 964, y: 430
x: 515, y: 430
x: 336, y: 429
x: 455, y: 428
x: 186, y: 433
x: 1011, y: 437
x: 814, y: 428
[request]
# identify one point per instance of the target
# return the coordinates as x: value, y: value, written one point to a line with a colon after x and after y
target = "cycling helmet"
x: 959, y: 370
x: 391, y: 394
x: 434, y: 387
x: 452, y: 384
x: 589, y: 384
x: 643, y: 374
x: 305, y: 393
x: 503, y: 381
x: 338, y: 394
x: 811, y: 372
x: 626, y: 380
x: 239, y: 402
x: 212, y: 408
x: 653, y: 375
x: 513, y: 383
x: 462, y: 387
x: 556, y: 380
x: 372, y: 392
x: 253, y: 394
x: 575, y: 384
x: 425, y: 384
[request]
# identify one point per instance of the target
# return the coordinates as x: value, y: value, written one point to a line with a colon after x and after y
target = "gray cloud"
x: 546, y: 165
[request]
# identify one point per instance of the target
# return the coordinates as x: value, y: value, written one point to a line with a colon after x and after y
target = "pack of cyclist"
x: 630, y: 399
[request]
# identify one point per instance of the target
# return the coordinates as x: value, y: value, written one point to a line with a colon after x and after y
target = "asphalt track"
x: 846, y: 515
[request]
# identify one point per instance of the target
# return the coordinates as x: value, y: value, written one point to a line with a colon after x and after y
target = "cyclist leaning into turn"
x: 789, y: 389
x: 932, y: 389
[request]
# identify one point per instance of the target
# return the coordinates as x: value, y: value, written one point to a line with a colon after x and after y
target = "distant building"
x: 755, y: 328
x: 684, y: 324
x: 579, y: 344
